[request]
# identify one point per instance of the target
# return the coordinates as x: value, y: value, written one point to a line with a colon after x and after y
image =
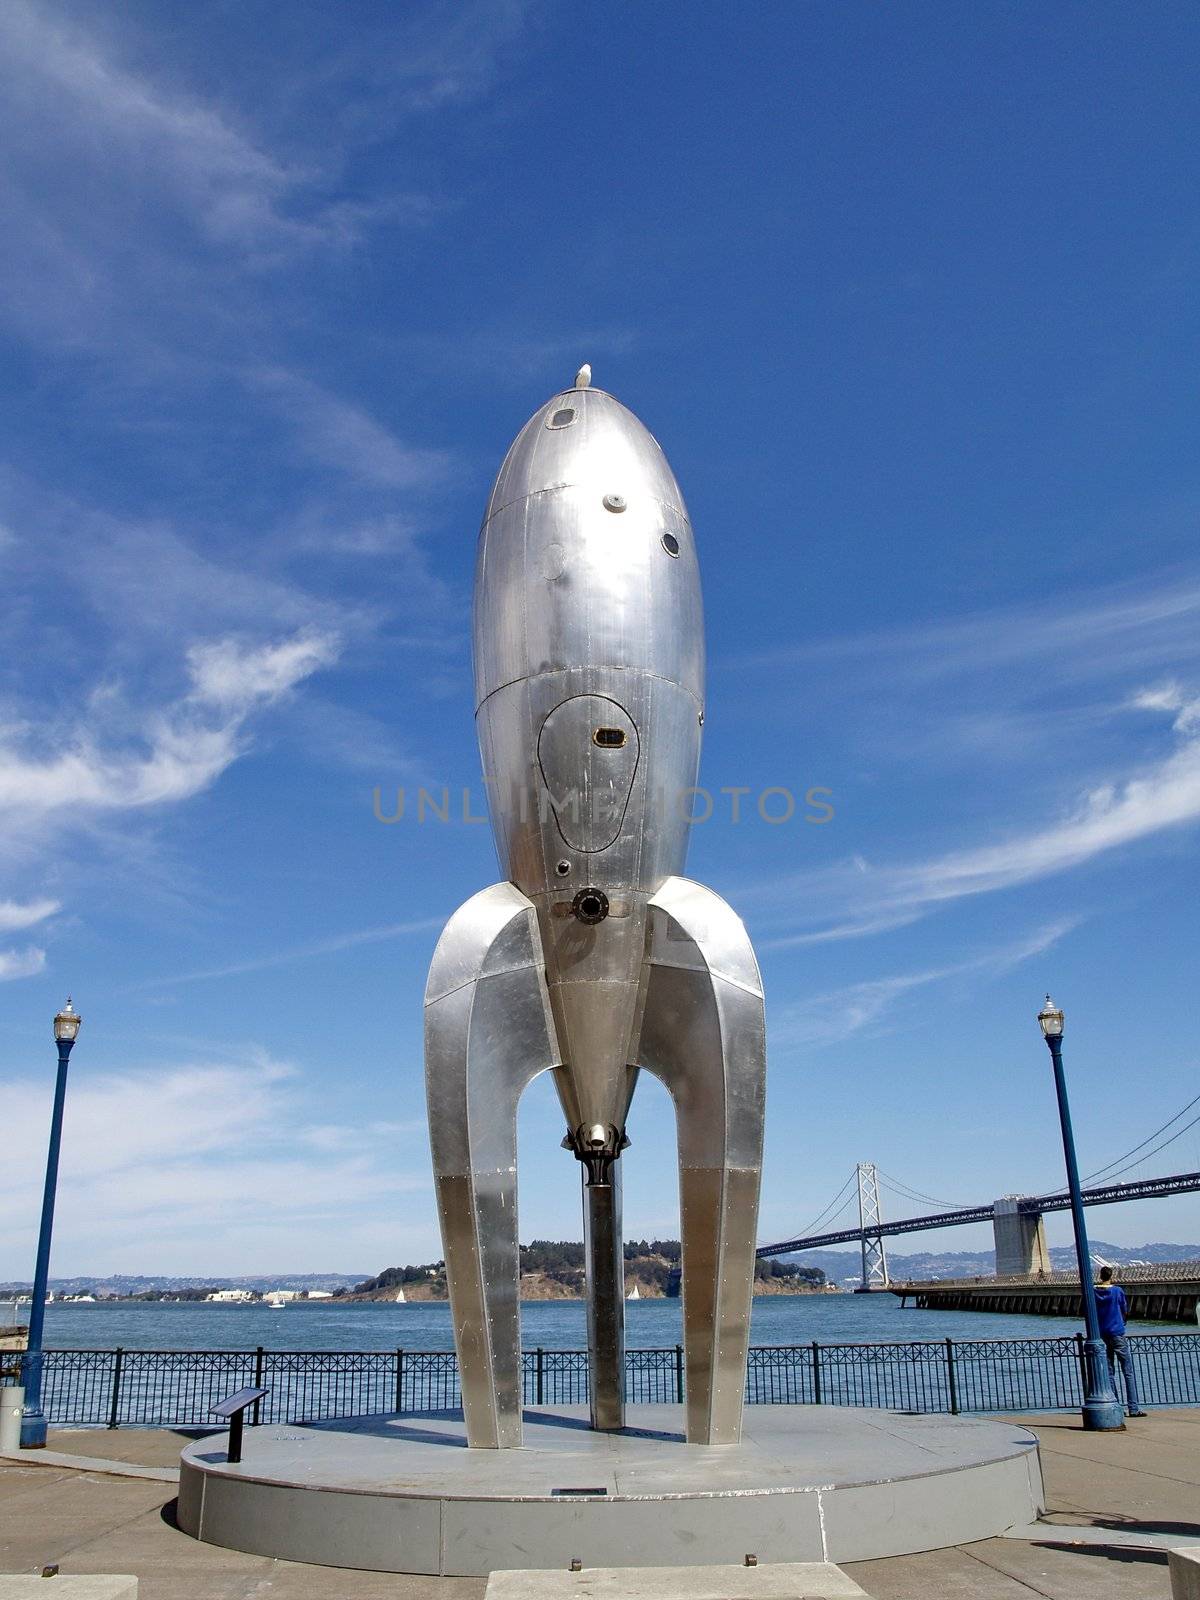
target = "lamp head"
x: 66, y: 1024
x: 1050, y: 1020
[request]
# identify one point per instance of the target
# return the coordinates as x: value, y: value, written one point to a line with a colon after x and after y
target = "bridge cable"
x: 1157, y: 1149
x: 829, y: 1214
x: 813, y: 1226
x: 1100, y: 1171
x: 906, y: 1193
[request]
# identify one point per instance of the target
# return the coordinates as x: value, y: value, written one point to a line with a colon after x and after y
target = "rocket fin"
x: 703, y: 1034
x: 488, y: 1034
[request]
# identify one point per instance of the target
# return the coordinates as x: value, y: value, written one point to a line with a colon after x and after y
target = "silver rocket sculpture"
x: 593, y: 958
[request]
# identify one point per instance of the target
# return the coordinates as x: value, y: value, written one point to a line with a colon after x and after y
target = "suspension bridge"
x: 1017, y: 1220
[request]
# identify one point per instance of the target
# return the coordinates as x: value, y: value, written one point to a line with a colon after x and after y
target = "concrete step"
x: 777, y: 1580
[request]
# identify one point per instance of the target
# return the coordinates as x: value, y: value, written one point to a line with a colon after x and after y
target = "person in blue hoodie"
x: 1112, y: 1308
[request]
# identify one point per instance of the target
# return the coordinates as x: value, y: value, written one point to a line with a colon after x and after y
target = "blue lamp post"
x: 1102, y: 1411
x: 33, y: 1423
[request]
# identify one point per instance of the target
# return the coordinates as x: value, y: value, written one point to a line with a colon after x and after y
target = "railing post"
x: 399, y: 1381
x: 114, y: 1407
x: 539, y: 1390
x: 816, y: 1372
x: 952, y: 1379
x: 1081, y: 1357
x: 258, y: 1381
x: 679, y: 1374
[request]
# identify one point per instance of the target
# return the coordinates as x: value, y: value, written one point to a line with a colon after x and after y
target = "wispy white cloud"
x: 1128, y: 629
x: 340, y: 434
x: 302, y: 952
x: 379, y: 534
x: 14, y: 916
x: 1015, y: 661
x: 21, y: 963
x: 846, y: 902
x: 1182, y: 705
x: 443, y: 53
x: 181, y: 749
x: 197, y: 1159
x: 227, y: 675
x: 135, y: 200
x: 149, y: 582
x: 333, y: 1136
x: 121, y: 121
x: 853, y: 927
x: 828, y: 1018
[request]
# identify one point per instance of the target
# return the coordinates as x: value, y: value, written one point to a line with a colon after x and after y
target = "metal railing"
x: 179, y: 1388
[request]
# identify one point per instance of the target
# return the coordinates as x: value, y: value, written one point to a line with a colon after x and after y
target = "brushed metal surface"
x: 808, y: 1482
x: 703, y: 1034
x: 488, y: 1033
x: 589, y: 676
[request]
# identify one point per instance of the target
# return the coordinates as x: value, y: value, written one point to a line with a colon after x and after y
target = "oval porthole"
x: 609, y: 738
x: 562, y: 418
x: 670, y: 544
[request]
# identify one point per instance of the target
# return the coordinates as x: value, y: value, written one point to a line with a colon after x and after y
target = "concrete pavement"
x: 1145, y: 1481
x: 1111, y: 1489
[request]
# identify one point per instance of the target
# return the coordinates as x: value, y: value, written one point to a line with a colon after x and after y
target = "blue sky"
x: 908, y: 295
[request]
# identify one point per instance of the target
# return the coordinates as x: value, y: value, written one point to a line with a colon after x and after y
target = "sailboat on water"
x: 633, y: 1294
x: 400, y: 1298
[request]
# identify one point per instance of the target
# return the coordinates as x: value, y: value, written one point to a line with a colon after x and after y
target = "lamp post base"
x: 1102, y: 1411
x: 33, y: 1418
x: 33, y: 1431
x: 1103, y: 1416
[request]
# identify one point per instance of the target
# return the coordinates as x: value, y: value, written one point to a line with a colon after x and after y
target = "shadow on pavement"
x: 1185, y: 1530
x: 1105, y: 1552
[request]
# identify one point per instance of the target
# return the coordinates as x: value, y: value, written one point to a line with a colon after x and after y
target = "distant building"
x: 237, y: 1296
x: 320, y: 1294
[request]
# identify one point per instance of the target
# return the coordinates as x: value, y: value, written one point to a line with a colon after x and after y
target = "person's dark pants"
x: 1118, y: 1350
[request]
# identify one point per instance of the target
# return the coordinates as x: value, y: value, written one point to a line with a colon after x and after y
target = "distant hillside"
x: 143, y: 1283
x: 842, y: 1266
x: 554, y: 1270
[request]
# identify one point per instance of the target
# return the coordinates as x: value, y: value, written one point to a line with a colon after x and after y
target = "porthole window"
x: 670, y: 544
x: 563, y: 418
x: 609, y: 738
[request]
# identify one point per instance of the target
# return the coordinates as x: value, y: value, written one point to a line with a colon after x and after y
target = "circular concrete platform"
x: 807, y: 1483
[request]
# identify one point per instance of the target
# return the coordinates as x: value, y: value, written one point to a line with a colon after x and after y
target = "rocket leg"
x: 703, y: 1034
x: 488, y: 1033
x: 605, y: 1255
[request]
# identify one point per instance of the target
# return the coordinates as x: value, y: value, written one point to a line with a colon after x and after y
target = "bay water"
x: 552, y: 1324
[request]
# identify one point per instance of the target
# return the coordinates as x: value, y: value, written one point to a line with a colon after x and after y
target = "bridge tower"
x: 870, y: 1215
x: 1020, y: 1238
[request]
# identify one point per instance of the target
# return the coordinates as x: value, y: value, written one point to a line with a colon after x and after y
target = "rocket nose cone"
x: 585, y: 437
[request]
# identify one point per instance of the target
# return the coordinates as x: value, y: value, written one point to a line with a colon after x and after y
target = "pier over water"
x: 1162, y: 1292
